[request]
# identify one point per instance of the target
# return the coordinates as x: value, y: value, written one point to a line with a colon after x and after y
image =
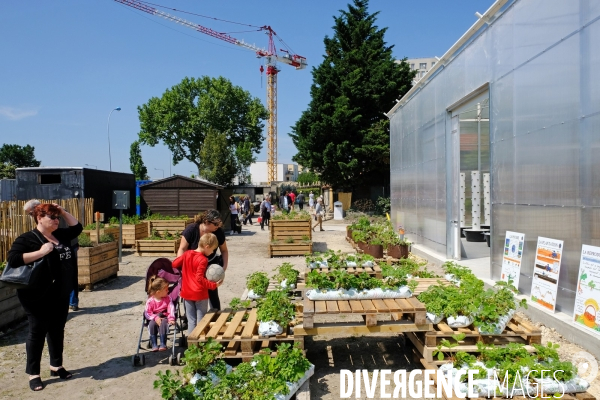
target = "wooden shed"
x: 180, y: 195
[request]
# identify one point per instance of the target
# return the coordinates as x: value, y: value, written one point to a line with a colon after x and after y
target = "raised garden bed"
x: 289, y: 249
x: 172, y: 226
x: 10, y: 307
x: 237, y: 331
x: 133, y: 232
x: 97, y: 263
x: 295, y: 228
x: 157, y: 248
x: 517, y: 331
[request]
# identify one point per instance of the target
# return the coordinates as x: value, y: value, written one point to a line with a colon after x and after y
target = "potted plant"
x: 374, y: 248
x: 360, y: 238
x: 257, y: 284
x: 275, y: 313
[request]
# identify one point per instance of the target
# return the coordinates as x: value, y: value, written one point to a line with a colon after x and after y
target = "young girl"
x: 195, y: 286
x: 159, y: 311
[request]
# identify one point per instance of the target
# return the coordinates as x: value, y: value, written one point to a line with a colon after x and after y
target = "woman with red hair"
x: 46, y: 302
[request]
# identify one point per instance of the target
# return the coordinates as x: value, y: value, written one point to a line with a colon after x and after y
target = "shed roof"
x: 180, y: 181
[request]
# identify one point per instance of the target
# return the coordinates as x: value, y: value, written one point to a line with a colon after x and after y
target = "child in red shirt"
x: 194, y: 285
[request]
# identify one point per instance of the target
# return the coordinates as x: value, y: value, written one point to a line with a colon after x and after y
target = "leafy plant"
x: 305, y: 238
x: 258, y: 282
x: 106, y: 238
x: 445, y: 343
x: 286, y: 272
x: 276, y: 307
x: 2, y: 266
x: 85, y: 240
x: 198, y: 357
x: 237, y: 304
x: 289, y: 240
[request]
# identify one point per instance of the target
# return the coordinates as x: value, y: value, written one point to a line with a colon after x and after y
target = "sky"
x: 65, y: 65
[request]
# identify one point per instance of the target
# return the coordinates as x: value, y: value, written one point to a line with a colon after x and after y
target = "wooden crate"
x: 97, y: 263
x: 114, y: 231
x: 517, y: 331
x: 434, y: 367
x: 133, y: 232
x: 10, y: 306
x: 157, y: 248
x: 172, y: 226
x: 284, y: 229
x: 240, y: 338
x: 289, y: 249
x: 374, y: 271
x: 407, y: 315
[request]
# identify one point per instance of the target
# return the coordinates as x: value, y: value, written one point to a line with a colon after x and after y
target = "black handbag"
x: 24, y: 276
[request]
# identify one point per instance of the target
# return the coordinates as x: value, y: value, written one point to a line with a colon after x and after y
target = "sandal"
x: 36, y: 384
x: 62, y: 373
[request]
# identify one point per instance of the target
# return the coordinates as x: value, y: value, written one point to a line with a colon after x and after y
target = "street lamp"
x: 108, y: 132
x: 163, y: 171
x: 90, y: 165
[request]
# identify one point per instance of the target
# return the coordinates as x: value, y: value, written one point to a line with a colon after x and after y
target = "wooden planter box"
x: 97, y: 263
x: 10, y: 307
x: 114, y: 231
x: 134, y: 232
x: 157, y: 248
x: 173, y: 226
x: 283, y: 229
x: 289, y: 249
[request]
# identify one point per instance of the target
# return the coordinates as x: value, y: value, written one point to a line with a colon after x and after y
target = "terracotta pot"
x: 349, y: 232
x: 362, y: 245
x: 375, y: 250
x: 400, y: 251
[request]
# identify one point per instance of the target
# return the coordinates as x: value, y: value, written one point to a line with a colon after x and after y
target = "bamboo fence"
x: 14, y: 221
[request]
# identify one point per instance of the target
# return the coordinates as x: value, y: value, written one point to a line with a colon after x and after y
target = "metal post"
x: 120, y: 235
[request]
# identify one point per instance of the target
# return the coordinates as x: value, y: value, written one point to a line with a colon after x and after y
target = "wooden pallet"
x: 517, y: 331
x: 374, y: 271
x: 406, y: 315
x: 424, y: 283
x: 240, y: 338
x: 430, y: 366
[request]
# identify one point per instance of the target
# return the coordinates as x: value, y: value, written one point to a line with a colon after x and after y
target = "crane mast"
x: 271, y: 59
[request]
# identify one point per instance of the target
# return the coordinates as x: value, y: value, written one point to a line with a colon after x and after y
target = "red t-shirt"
x: 194, y: 285
x: 293, y: 197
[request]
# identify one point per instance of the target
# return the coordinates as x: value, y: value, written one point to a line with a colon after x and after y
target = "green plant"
x: 258, y: 282
x: 106, y: 238
x: 445, y: 343
x: 198, y: 357
x: 286, y: 272
x: 276, y: 307
x: 92, y: 226
x: 2, y: 266
x: 494, y: 304
x: 84, y: 240
x: 383, y: 205
x: 289, y: 240
x: 363, y: 205
x: 237, y: 304
x: 305, y: 238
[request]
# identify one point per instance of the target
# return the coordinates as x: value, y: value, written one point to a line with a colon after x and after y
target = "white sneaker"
x: 231, y: 233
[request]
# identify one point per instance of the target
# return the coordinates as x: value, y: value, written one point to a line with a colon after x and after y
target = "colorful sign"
x: 512, y: 256
x: 546, y: 271
x: 587, y: 296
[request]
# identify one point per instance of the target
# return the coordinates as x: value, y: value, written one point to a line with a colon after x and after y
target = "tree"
x: 136, y: 163
x: 184, y: 115
x: 307, y: 177
x: 13, y: 156
x: 217, y: 160
x: 244, y: 157
x: 343, y: 136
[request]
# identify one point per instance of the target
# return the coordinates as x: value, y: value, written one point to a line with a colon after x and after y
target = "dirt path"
x: 102, y: 336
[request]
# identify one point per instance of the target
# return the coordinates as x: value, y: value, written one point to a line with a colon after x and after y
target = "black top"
x: 62, y: 261
x: 301, y: 198
x: 191, y: 233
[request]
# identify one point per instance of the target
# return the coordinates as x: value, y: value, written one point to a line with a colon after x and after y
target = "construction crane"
x: 271, y: 59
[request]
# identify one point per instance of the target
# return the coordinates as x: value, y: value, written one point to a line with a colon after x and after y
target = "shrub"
x: 106, y: 238
x: 363, y: 205
x: 85, y: 241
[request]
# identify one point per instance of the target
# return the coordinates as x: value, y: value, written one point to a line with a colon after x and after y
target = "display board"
x: 544, y: 286
x: 512, y: 257
x: 587, y: 296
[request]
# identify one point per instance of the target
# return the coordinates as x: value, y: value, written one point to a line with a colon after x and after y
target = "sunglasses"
x: 52, y: 217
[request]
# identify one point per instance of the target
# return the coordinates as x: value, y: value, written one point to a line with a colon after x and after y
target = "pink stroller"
x: 163, y: 268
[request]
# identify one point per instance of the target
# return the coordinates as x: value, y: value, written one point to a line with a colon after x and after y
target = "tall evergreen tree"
x: 344, y: 135
x: 136, y: 163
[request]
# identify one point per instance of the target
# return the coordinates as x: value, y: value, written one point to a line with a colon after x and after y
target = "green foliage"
x: 183, y: 116
x: 199, y: 356
x: 13, y: 156
x: 383, y: 205
x: 2, y: 266
x: 217, y: 159
x: 292, y: 215
x: 258, y: 282
x: 237, y: 304
x: 363, y: 205
x: 136, y: 164
x: 340, y: 278
x: 157, y: 217
x: 307, y: 178
x: 286, y: 272
x: 445, y: 343
x: 343, y: 135
x: 289, y: 240
x: 494, y: 304
x: 106, y: 238
x: 84, y: 240
x: 276, y: 307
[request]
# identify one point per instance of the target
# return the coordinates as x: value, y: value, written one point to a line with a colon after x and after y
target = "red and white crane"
x: 271, y: 59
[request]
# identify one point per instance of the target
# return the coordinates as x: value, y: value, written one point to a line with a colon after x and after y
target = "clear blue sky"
x: 66, y: 64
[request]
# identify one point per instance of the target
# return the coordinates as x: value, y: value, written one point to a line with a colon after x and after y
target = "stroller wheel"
x: 171, y: 360
x: 178, y: 358
x: 135, y: 360
x: 142, y: 360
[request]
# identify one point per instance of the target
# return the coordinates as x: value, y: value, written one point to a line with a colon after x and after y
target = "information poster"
x: 546, y: 271
x: 588, y: 289
x: 512, y: 256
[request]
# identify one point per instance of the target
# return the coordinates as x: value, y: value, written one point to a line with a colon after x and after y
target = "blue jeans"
x: 74, y: 297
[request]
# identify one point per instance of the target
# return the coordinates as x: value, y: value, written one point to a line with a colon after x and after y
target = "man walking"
x: 301, y: 201
x: 293, y: 198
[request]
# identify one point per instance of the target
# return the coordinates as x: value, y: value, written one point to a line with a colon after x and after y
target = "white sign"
x: 587, y: 296
x: 546, y: 271
x: 512, y: 256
